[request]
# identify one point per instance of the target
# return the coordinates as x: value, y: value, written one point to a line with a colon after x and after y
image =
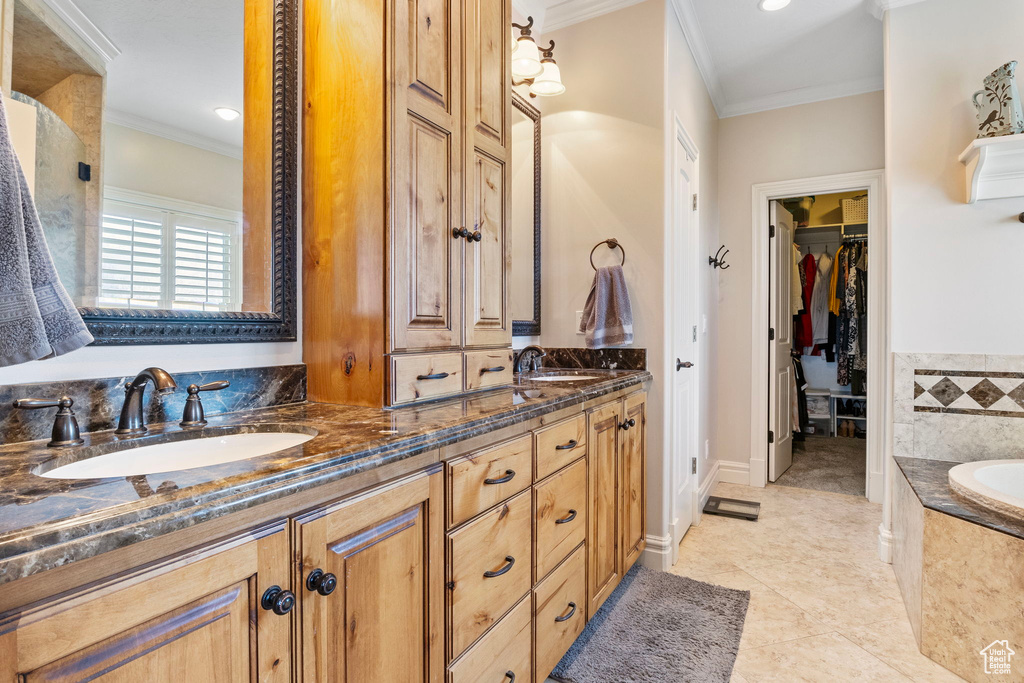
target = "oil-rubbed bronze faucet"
x: 528, y: 359
x: 65, y: 426
x: 132, y: 422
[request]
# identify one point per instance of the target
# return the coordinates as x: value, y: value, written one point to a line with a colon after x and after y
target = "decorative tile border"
x: 969, y: 392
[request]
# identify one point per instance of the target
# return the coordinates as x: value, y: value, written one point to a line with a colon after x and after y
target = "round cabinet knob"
x: 631, y: 422
x: 460, y: 232
x: 322, y: 583
x: 476, y: 236
x: 278, y: 601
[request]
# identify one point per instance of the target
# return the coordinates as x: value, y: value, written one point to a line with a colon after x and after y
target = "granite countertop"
x: 930, y: 481
x: 47, y: 523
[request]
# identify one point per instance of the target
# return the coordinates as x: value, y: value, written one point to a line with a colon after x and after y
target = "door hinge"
x: 694, y: 333
x: 694, y: 201
x: 771, y: 231
x: 694, y: 468
x: 771, y: 436
x: 771, y: 334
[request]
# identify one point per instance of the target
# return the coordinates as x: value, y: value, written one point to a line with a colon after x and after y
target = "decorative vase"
x: 999, y: 107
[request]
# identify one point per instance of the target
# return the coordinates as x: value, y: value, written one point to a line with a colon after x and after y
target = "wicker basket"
x: 855, y: 210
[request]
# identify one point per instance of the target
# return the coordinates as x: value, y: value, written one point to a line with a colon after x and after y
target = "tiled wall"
x: 98, y: 401
x: 958, y: 407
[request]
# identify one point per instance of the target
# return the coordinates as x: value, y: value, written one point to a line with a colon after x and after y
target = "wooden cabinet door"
x: 196, y: 618
x: 383, y: 621
x: 488, y: 101
x: 426, y: 161
x: 603, y: 564
x: 633, y: 459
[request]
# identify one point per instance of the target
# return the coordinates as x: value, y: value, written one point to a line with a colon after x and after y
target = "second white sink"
x: 179, y: 455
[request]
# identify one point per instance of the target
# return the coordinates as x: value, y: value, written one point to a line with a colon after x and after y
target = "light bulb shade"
x: 549, y: 83
x: 526, y: 59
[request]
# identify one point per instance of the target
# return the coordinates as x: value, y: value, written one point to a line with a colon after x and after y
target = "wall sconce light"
x: 534, y: 66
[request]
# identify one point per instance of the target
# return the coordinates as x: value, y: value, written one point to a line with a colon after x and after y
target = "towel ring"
x: 612, y: 243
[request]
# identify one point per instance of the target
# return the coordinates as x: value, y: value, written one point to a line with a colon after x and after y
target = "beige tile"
x: 770, y: 617
x: 828, y: 657
x: 893, y: 642
x: 839, y: 593
x: 736, y: 678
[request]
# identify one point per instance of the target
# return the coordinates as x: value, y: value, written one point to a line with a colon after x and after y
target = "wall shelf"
x: 994, y: 168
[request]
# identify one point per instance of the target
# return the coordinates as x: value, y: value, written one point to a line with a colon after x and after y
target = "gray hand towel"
x: 37, y: 317
x: 607, y: 316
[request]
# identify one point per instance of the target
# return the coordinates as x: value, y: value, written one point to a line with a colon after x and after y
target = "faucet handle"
x: 194, y: 415
x: 65, y: 425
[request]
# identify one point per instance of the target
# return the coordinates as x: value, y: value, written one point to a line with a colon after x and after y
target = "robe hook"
x: 718, y: 260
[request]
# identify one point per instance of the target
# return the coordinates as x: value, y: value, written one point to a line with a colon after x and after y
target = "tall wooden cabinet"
x: 405, y: 197
x: 617, y: 490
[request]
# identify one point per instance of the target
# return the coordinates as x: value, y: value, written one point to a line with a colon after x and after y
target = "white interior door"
x: 781, y: 380
x: 684, y: 334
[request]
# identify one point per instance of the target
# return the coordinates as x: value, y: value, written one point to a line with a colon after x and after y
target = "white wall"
x: 954, y: 265
x: 836, y: 136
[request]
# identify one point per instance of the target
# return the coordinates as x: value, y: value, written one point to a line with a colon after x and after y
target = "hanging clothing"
x: 796, y: 303
x: 834, y: 287
x: 819, y: 302
x: 803, y: 333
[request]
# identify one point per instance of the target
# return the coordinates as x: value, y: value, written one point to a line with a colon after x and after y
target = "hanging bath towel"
x: 37, y: 317
x: 607, y: 316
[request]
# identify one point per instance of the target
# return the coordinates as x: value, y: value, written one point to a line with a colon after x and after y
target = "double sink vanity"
x: 463, y: 540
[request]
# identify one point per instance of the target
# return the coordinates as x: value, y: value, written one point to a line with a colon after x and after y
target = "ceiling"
x: 753, y: 60
x: 178, y: 61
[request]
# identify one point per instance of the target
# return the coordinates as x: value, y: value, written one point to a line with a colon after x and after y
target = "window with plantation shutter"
x: 161, y: 253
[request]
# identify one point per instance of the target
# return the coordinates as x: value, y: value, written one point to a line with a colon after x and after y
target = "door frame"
x: 879, y: 276
x: 674, y: 275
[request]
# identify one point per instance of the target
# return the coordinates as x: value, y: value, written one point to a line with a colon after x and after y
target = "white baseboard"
x: 758, y: 474
x: 658, y: 553
x: 734, y: 472
x: 708, y: 485
x: 885, y: 542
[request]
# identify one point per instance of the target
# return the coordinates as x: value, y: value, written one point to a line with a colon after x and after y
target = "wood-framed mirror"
x: 159, y: 140
x: 526, y: 217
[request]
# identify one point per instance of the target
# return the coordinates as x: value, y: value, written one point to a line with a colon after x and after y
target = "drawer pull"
x: 436, y: 375
x: 322, y: 583
x: 500, y: 368
x: 568, y: 446
x: 511, y: 676
x: 567, y: 617
x: 278, y: 601
x: 566, y: 520
x: 509, y: 561
x: 509, y: 474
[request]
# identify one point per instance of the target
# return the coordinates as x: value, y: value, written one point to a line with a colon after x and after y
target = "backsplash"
x: 597, y: 359
x: 958, y: 407
x: 98, y: 401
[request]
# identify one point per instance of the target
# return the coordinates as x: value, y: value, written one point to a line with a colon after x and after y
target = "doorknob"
x: 680, y: 364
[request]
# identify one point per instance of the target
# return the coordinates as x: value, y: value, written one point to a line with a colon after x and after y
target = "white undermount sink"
x: 555, y: 377
x: 183, y: 454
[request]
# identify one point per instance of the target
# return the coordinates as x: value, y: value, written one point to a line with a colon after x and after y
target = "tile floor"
x: 823, y: 607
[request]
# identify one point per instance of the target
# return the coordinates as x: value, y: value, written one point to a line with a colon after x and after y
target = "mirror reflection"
x: 525, y: 217
x: 128, y: 119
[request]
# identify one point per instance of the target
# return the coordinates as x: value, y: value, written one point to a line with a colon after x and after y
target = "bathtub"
x: 996, y: 484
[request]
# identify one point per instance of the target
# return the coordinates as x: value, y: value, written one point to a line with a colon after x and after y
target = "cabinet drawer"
x: 560, y: 606
x: 560, y: 444
x: 417, y: 378
x: 490, y: 569
x: 485, y: 478
x: 560, y: 515
x: 488, y: 369
x: 507, y: 647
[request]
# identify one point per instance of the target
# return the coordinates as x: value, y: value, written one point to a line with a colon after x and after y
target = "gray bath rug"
x: 659, y: 627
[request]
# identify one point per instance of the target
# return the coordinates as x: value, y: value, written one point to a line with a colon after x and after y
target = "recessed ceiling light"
x: 227, y: 113
x: 772, y: 5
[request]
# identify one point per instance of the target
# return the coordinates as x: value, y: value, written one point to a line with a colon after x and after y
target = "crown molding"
x: 569, y: 12
x: 880, y: 7
x: 792, y: 98
x: 687, y: 17
x: 161, y: 130
x: 83, y: 27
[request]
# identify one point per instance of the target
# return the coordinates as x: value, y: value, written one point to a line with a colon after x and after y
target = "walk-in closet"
x: 827, y: 299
